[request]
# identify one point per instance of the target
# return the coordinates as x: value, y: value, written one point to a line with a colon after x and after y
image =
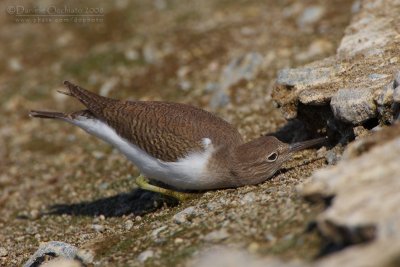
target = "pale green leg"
x: 143, y: 183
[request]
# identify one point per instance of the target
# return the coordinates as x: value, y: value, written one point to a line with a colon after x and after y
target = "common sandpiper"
x: 178, y: 145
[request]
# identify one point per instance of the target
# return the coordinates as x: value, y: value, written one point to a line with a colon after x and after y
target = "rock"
x: 311, y: 15
x: 371, y: 31
x: 178, y: 240
x: 212, y: 206
x: 145, y: 255
x: 248, y: 198
x: 128, y: 225
x: 59, y: 262
x: 216, y: 236
x: 381, y: 253
x: 316, y: 48
x: 223, y: 257
x: 85, y: 255
x: 305, y: 77
x: 185, y: 215
x: 354, y: 105
x: 332, y: 157
x: 155, y: 232
x: 365, y: 190
x: 245, y: 67
x: 131, y: 55
x: 14, y: 64
x: 52, y: 249
x: 151, y: 54
x: 348, y: 88
x: 98, y: 227
x: 396, y: 94
x: 3, y: 252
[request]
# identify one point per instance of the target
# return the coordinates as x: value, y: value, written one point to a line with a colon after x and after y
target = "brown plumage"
x: 167, y: 131
x: 174, y: 135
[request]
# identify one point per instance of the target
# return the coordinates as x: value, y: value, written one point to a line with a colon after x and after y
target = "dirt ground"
x: 58, y: 183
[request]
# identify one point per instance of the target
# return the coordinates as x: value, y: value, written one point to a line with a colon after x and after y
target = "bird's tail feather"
x: 47, y: 114
x: 94, y: 102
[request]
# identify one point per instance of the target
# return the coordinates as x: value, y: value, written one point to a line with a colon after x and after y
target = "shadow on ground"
x: 138, y: 202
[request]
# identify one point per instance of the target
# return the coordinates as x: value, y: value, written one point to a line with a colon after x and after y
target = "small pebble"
x: 60, y: 262
x: 85, y: 255
x: 331, y: 157
x: 158, y: 230
x: 248, y: 198
x: 178, y: 240
x: 216, y: 236
x: 145, y: 255
x: 98, y: 228
x: 3, y: 252
x: 185, y: 215
x: 212, y: 206
x: 128, y: 225
x: 253, y: 247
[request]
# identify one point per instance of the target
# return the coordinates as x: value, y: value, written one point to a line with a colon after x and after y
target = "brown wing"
x: 167, y: 131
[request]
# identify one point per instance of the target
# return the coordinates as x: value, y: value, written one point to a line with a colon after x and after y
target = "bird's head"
x: 258, y: 160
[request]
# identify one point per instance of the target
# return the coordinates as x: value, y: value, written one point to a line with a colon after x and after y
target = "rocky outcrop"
x: 355, y: 90
x: 358, y: 84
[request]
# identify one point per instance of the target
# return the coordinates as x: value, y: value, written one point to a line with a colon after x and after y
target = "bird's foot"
x: 143, y: 183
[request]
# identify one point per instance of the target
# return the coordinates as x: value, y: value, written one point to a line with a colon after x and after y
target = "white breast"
x: 189, y: 172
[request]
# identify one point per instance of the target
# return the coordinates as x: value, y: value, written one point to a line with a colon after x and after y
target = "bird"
x: 181, y: 147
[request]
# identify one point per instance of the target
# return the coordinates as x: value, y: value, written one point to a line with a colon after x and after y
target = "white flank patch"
x: 189, y: 172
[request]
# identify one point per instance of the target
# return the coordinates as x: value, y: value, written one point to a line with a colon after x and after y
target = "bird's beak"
x: 306, y: 144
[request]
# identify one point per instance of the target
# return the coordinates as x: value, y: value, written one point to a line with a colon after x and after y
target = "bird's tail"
x: 94, y: 102
x: 47, y: 114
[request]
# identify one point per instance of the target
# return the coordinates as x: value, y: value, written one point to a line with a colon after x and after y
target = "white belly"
x: 189, y: 172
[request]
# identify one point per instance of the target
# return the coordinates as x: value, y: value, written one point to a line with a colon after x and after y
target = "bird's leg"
x: 143, y: 183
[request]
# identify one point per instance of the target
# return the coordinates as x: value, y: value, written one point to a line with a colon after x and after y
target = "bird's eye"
x: 272, y: 157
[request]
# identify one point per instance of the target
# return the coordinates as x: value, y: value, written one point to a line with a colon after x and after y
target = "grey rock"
x: 185, y: 215
x: 385, y: 96
x: 304, y: 77
x: 128, y: 225
x: 52, y: 248
x: 332, y: 157
x: 145, y: 255
x: 369, y: 33
x: 311, y: 15
x: 354, y: 105
x: 248, y: 198
x: 98, y: 228
x: 3, y: 252
x: 353, y: 81
x: 212, y: 206
x: 85, y: 255
x: 380, y: 253
x: 396, y: 82
x: 377, y: 76
x: 244, y: 67
x: 224, y: 257
x: 216, y: 236
x: 157, y: 231
x: 366, y: 194
x: 151, y: 54
x: 396, y: 94
x: 60, y: 262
